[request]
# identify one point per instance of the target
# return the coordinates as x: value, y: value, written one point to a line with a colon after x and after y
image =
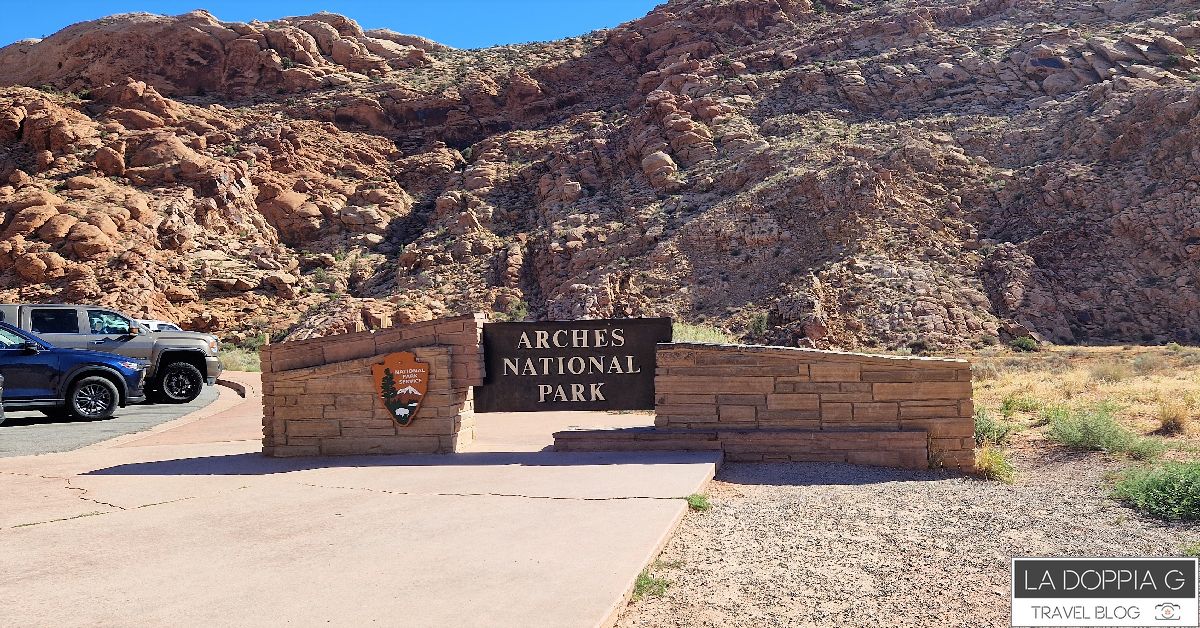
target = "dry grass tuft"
x: 1110, y: 372
x: 992, y: 463
x: 1174, y: 417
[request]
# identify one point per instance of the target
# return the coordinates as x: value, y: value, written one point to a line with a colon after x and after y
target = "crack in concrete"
x: 83, y: 495
x: 518, y: 495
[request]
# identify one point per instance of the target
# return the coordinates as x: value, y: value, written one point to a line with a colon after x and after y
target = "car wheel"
x: 180, y: 382
x: 93, y: 398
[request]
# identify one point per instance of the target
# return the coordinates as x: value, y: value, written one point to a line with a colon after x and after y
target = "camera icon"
x: 1166, y: 612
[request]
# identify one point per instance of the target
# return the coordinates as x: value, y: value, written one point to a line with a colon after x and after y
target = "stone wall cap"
x: 825, y: 353
x: 368, y: 333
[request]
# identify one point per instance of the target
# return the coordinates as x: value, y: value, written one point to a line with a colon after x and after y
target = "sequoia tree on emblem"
x: 401, y: 382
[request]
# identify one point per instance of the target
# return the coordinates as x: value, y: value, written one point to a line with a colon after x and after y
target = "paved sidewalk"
x: 189, y: 524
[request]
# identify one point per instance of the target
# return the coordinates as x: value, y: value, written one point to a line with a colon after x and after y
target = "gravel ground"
x: 839, y: 545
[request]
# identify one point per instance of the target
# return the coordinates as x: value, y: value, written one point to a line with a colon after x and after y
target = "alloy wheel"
x: 93, y: 399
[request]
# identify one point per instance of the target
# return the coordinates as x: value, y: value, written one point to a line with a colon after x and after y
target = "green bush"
x: 683, y: 332
x: 989, y: 431
x: 758, y: 324
x: 1024, y: 343
x: 1169, y: 491
x: 1174, y: 347
x: 517, y: 311
x: 254, y: 343
x: 1095, y: 429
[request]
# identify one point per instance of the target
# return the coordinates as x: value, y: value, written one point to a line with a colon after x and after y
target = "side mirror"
x: 31, y: 347
x: 134, y: 330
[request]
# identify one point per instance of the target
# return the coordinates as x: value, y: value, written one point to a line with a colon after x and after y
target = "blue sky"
x: 458, y: 23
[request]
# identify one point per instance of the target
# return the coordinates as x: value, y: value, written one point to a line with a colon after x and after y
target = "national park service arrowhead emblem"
x: 401, y: 382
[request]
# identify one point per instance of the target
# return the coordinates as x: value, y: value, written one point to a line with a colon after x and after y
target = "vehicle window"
x: 9, y: 340
x: 54, y: 321
x: 103, y: 322
x: 168, y: 327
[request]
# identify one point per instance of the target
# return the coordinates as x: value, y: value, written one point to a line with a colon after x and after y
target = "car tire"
x: 179, y: 382
x: 93, y: 398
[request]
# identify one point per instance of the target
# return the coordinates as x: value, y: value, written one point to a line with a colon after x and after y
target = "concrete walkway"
x: 189, y: 524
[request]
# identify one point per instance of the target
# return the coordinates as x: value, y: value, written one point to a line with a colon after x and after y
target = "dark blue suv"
x: 85, y: 384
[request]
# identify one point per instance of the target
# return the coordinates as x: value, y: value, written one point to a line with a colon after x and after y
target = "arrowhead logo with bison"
x: 402, y: 382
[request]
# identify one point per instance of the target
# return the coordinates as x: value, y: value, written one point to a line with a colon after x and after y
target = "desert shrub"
x: 239, y: 359
x: 1110, y: 372
x: 1174, y: 347
x: 989, y: 431
x: 1014, y: 403
x: 517, y: 311
x: 254, y: 343
x: 1173, y: 417
x: 758, y: 324
x: 1169, y: 491
x: 918, y: 346
x: 1148, y: 363
x: 1096, y: 429
x: 1051, y: 413
x: 992, y: 463
x: 683, y: 332
x: 1024, y: 343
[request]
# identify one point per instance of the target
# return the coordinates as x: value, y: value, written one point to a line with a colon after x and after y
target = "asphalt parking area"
x: 31, y: 433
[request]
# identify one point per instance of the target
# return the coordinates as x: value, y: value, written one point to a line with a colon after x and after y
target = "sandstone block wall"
x: 319, y: 396
x: 737, y: 391
x: 908, y: 449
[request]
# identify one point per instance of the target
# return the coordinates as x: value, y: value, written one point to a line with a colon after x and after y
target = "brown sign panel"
x: 402, y: 383
x: 570, y: 365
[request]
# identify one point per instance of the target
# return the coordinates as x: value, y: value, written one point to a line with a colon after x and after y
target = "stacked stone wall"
x: 319, y: 395
x: 779, y: 403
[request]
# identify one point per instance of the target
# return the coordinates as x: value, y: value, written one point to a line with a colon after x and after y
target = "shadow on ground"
x: 258, y: 464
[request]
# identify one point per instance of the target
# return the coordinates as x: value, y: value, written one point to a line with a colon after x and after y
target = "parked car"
x: 180, y: 363
x: 156, y: 325
x: 85, y: 384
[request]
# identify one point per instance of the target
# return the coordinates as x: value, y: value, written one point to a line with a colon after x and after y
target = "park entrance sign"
x: 571, y: 365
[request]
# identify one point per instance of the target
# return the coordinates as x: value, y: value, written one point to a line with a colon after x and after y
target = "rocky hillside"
x: 859, y: 175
